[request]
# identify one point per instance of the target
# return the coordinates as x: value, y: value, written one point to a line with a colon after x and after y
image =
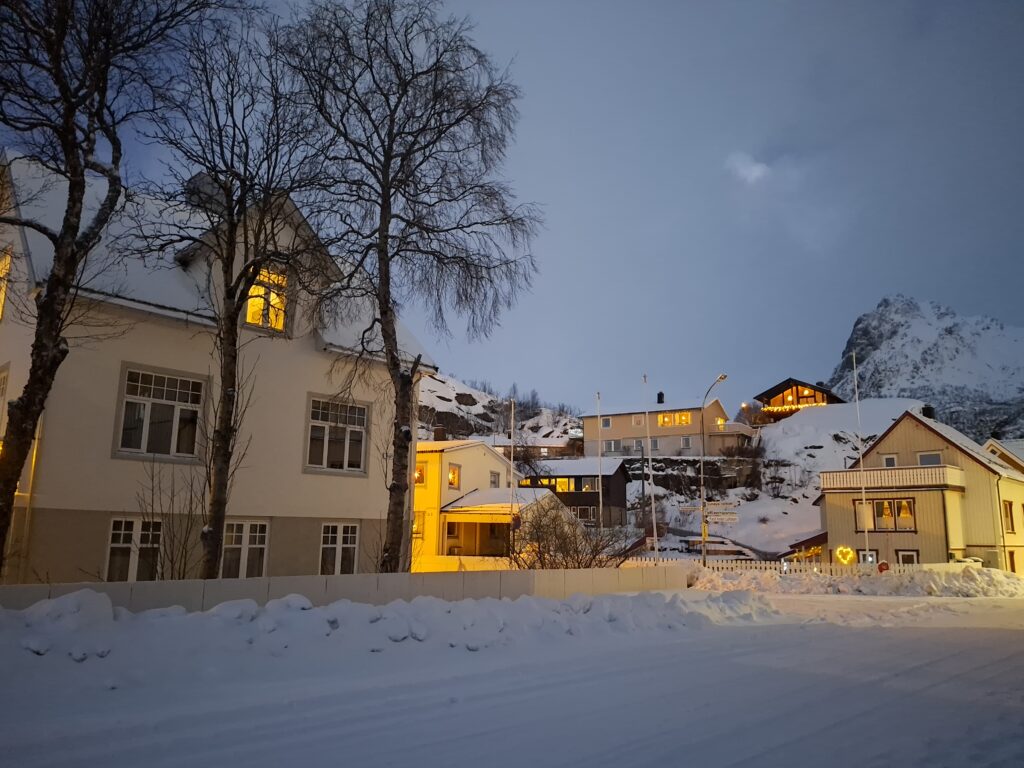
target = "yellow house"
x: 113, y: 488
x: 931, y: 494
x: 464, y: 507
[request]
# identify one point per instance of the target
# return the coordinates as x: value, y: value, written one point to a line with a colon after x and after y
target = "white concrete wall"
x: 377, y: 589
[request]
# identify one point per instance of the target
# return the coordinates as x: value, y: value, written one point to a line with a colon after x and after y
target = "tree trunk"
x: 221, y: 447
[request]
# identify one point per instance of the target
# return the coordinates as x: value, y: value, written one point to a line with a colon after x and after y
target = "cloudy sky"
x: 728, y: 185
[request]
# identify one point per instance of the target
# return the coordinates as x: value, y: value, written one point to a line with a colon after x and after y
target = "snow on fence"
x: 826, y: 569
x: 374, y: 588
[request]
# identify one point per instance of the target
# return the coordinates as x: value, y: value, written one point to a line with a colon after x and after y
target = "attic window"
x: 266, y: 303
x: 5, y: 271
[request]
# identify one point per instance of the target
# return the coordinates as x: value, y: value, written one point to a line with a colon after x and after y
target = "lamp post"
x: 703, y: 504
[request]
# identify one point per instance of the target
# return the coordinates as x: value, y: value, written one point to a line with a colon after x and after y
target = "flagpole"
x: 600, y: 474
x: 650, y: 473
x: 860, y: 445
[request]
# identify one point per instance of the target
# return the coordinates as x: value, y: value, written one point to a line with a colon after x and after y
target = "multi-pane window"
x: 134, y: 551
x: 677, y: 419
x: 1008, y: 517
x: 495, y: 479
x: 586, y: 515
x: 338, y: 545
x: 245, y: 550
x: 565, y: 484
x: 588, y: 484
x: 612, y: 445
x: 886, y: 515
x: 337, y: 435
x: 265, y: 306
x: 160, y: 414
x: 5, y: 273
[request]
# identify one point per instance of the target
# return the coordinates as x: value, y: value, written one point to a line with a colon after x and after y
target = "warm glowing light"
x: 454, y: 475
x: 421, y: 474
x: 265, y: 305
x: 788, y: 408
x: 845, y: 555
x: 789, y: 398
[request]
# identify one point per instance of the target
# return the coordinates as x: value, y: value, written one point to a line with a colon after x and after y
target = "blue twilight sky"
x: 728, y: 185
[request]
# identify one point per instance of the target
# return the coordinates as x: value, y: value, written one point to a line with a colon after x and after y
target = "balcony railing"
x: 894, y: 478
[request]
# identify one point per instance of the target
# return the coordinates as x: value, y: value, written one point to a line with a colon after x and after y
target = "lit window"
x: 134, y: 553
x: 454, y: 476
x: 337, y: 435
x: 338, y: 544
x: 5, y: 272
x: 3, y: 402
x: 266, y: 303
x: 495, y: 480
x: 564, y: 484
x: 929, y: 459
x: 905, y: 515
x: 884, y: 520
x: 420, y: 476
x: 665, y: 420
x: 589, y: 484
x: 160, y: 414
x: 245, y: 550
x: 525, y: 482
x: 682, y: 419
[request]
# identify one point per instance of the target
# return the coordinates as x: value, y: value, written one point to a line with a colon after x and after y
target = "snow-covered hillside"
x: 464, y: 411
x: 970, y: 368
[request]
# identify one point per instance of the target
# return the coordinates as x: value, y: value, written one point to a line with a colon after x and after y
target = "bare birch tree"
x: 74, y: 76
x: 241, y: 152
x: 421, y: 120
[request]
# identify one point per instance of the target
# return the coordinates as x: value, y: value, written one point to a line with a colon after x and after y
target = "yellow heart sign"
x: 845, y: 555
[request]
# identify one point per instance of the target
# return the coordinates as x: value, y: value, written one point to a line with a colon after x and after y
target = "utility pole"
x: 703, y: 503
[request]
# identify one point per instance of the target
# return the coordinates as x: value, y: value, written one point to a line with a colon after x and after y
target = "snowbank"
x: 971, y: 582
x: 84, y: 626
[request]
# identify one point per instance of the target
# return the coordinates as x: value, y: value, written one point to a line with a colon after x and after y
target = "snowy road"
x: 833, y: 680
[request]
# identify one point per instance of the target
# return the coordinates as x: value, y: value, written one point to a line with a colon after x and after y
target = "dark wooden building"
x: 574, y: 482
x: 792, y: 395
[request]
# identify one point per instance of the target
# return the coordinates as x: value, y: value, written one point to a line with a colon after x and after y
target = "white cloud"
x: 746, y: 169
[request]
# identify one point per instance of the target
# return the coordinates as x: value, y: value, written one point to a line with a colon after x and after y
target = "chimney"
x: 928, y: 411
x: 661, y: 398
x: 440, y: 433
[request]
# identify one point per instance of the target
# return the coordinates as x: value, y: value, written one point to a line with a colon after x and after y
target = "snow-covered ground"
x: 703, y: 678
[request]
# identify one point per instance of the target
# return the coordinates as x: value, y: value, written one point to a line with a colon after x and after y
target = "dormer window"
x: 265, y: 307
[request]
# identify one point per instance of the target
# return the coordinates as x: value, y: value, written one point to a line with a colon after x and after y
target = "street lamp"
x: 703, y: 504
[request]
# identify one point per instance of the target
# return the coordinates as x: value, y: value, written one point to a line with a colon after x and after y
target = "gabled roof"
x: 782, y: 386
x: 581, y: 467
x: 157, y: 284
x: 451, y: 446
x: 956, y: 439
x: 526, y: 439
x: 628, y: 410
x: 1008, y: 451
x: 498, y: 497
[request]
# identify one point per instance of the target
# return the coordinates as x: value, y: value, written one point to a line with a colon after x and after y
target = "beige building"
x: 114, y: 487
x: 932, y: 495
x: 464, y: 507
x: 674, y: 431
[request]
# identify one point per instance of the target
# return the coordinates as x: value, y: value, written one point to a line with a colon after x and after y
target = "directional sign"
x: 722, y: 517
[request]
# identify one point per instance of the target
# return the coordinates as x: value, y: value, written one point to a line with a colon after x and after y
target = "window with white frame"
x: 867, y: 555
x: 606, y: 422
x: 160, y: 414
x: 638, y: 419
x: 245, y: 550
x: 907, y: 556
x: 265, y: 305
x: 685, y: 442
x: 654, y: 444
x: 337, y: 435
x: 889, y: 460
x: 612, y: 445
x: 586, y: 515
x: 930, y: 459
x: 638, y: 445
x: 495, y: 480
x: 339, y: 543
x: 134, y: 550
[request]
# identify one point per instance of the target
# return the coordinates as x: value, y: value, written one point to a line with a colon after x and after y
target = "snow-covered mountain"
x: 970, y: 368
x: 463, y: 411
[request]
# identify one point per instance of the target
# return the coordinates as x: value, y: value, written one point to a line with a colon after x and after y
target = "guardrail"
x: 893, y: 478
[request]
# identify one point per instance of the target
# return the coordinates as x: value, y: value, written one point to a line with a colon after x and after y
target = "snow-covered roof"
x: 1016, y: 447
x: 522, y: 438
x: 622, y: 409
x: 437, y: 446
x: 581, y: 467
x: 156, y: 283
x: 971, y: 448
x: 498, y: 497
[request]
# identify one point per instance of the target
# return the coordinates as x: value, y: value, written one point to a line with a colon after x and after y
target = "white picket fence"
x: 785, y: 567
